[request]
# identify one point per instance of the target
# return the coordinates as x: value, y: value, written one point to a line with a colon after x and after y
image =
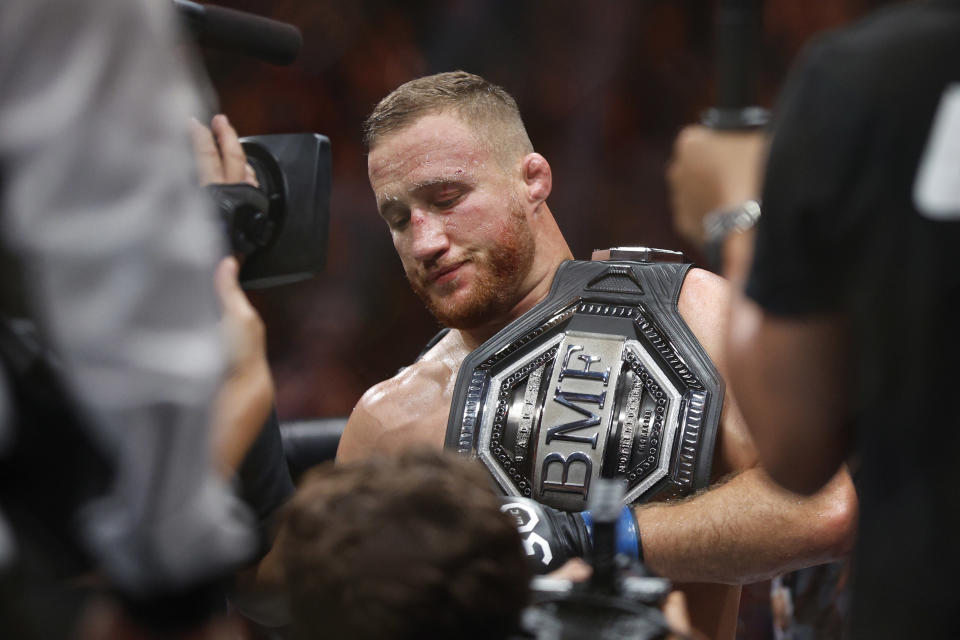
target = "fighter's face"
x: 456, y: 218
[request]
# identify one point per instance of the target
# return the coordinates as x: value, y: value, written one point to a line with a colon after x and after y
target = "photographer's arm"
x: 244, y: 400
x: 246, y: 396
x: 244, y: 436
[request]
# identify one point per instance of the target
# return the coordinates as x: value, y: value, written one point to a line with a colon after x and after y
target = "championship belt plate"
x: 602, y: 379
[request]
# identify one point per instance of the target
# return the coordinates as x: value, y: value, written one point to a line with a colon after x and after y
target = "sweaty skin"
x: 449, y: 203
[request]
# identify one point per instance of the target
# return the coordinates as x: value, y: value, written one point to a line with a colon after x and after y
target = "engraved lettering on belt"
x: 564, y: 485
x: 580, y: 385
x: 567, y: 398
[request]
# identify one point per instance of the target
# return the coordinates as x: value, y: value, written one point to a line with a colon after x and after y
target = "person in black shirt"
x: 843, y: 343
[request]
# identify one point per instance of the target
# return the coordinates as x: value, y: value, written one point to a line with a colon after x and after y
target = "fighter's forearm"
x: 748, y: 529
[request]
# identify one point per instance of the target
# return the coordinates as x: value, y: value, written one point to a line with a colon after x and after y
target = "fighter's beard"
x: 496, y: 284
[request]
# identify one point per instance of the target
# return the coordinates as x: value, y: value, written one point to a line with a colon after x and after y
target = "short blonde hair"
x: 486, y: 107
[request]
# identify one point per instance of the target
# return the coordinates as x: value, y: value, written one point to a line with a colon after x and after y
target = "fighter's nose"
x: 429, y: 238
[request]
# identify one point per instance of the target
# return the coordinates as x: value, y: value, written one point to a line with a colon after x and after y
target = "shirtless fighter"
x: 464, y: 196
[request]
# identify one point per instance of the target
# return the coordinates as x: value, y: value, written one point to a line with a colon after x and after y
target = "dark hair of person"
x: 402, y: 548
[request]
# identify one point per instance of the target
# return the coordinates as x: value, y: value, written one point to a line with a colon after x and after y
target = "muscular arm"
x: 745, y: 528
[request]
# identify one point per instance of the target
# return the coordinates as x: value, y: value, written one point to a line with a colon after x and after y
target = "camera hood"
x: 294, y: 172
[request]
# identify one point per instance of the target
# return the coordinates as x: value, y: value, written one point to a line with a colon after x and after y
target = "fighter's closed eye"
x: 446, y: 203
x: 398, y: 222
x: 443, y: 195
x: 395, y: 214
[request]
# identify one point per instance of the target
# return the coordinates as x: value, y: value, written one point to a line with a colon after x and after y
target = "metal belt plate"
x: 601, y: 379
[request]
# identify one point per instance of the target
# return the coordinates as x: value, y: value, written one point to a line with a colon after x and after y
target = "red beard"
x: 494, y: 290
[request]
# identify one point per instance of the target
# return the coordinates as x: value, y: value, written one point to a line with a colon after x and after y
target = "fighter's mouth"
x: 445, y: 274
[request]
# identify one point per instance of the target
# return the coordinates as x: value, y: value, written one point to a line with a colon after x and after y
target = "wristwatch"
x: 718, y: 224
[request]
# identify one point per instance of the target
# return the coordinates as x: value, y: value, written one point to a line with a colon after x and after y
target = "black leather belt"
x: 603, y: 378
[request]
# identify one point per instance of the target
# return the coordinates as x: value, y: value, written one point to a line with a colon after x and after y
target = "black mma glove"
x: 551, y: 537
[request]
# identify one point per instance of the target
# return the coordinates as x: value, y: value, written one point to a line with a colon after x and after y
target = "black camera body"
x: 281, y: 228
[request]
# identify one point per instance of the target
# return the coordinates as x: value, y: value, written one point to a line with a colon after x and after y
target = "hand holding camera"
x: 246, y: 397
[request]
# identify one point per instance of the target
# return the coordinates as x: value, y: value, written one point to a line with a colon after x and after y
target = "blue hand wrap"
x: 628, y: 536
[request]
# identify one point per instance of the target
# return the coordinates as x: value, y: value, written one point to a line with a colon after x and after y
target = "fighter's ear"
x: 537, y: 177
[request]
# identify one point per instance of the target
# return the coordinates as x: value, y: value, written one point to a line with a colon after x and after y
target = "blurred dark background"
x: 603, y: 87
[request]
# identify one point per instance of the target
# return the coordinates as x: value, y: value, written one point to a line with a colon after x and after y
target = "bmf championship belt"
x: 602, y: 379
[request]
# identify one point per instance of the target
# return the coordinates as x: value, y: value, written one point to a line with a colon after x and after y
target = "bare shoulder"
x: 704, y: 305
x: 703, y: 285
x: 408, y: 409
